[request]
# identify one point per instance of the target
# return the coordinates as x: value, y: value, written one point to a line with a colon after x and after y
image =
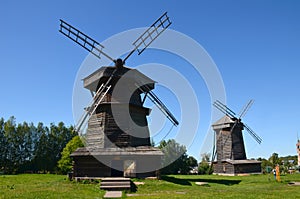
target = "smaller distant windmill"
x: 229, y: 144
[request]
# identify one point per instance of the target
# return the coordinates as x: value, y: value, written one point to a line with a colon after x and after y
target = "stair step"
x: 117, y: 186
x: 115, y: 179
x: 115, y: 183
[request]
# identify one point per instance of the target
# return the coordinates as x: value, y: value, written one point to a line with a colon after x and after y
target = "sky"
x: 255, y: 46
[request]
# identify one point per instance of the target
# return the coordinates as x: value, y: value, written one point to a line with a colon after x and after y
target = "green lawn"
x: 173, y: 186
x: 45, y: 186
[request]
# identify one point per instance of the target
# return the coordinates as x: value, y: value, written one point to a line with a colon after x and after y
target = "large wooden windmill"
x: 117, y: 145
x: 229, y: 143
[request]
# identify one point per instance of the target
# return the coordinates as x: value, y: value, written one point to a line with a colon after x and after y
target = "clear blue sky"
x: 255, y: 44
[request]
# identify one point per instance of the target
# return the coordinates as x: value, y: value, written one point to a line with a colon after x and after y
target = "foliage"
x: 274, y: 159
x: 175, y: 159
x: 266, y: 165
x: 28, y: 148
x: 65, y: 163
x: 204, y: 166
x: 192, y: 162
x: 286, y: 163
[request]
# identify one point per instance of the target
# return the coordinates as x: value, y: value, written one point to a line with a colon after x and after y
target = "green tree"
x: 40, y: 152
x: 51, y: 145
x: 12, y: 157
x: 266, y: 165
x: 25, y: 146
x: 274, y: 159
x: 192, y: 162
x: 65, y: 163
x: 175, y: 158
x: 204, y: 167
x: 3, y: 147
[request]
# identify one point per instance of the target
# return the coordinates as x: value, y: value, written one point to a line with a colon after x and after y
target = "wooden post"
x: 277, y: 173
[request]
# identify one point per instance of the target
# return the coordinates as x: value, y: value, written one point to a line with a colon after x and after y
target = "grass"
x: 254, y: 186
x: 45, y: 186
x: 172, y: 186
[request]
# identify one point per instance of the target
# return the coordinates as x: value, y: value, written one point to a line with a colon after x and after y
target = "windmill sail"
x: 158, y: 27
x: 151, y: 95
x: 246, y: 108
x: 253, y: 134
x: 83, y: 40
x: 224, y: 109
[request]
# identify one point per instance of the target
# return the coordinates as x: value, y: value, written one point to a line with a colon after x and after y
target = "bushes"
x: 65, y: 163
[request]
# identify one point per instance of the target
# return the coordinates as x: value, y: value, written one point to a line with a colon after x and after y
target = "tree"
x: 175, y: 158
x: 204, y: 167
x: 266, y: 165
x: 24, y: 143
x: 65, y: 163
x: 192, y: 162
x: 52, y: 142
x: 12, y: 151
x: 3, y: 147
x: 274, y: 159
x: 40, y: 152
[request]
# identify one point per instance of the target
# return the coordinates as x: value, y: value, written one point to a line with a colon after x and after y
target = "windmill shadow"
x: 188, y: 181
x: 176, y: 180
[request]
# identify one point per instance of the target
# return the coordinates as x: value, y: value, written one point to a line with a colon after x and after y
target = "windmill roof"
x: 224, y: 122
x: 224, y: 119
x: 91, y: 81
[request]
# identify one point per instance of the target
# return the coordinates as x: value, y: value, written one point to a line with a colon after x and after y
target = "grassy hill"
x: 173, y: 186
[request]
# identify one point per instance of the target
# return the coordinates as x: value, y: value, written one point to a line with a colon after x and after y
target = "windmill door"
x: 117, y: 168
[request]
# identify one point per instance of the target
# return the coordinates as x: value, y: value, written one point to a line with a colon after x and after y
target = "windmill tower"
x: 229, y: 142
x: 117, y: 134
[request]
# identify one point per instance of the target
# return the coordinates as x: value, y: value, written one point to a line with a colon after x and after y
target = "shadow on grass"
x: 187, y: 182
x: 176, y: 180
x: 133, y: 187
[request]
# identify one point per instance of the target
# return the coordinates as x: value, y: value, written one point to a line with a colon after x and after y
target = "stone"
x: 113, y: 194
x: 201, y: 183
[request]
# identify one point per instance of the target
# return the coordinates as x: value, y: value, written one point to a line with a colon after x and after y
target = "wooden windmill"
x: 117, y: 148
x: 229, y: 143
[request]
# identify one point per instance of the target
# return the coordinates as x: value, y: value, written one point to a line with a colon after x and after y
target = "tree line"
x: 26, y: 147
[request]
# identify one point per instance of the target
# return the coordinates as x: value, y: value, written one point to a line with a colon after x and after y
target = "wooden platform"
x: 115, y: 183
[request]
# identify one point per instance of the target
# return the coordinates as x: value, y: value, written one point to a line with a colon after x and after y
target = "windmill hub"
x: 119, y: 63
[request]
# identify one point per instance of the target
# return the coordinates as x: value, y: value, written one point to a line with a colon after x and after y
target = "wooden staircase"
x: 115, y: 183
